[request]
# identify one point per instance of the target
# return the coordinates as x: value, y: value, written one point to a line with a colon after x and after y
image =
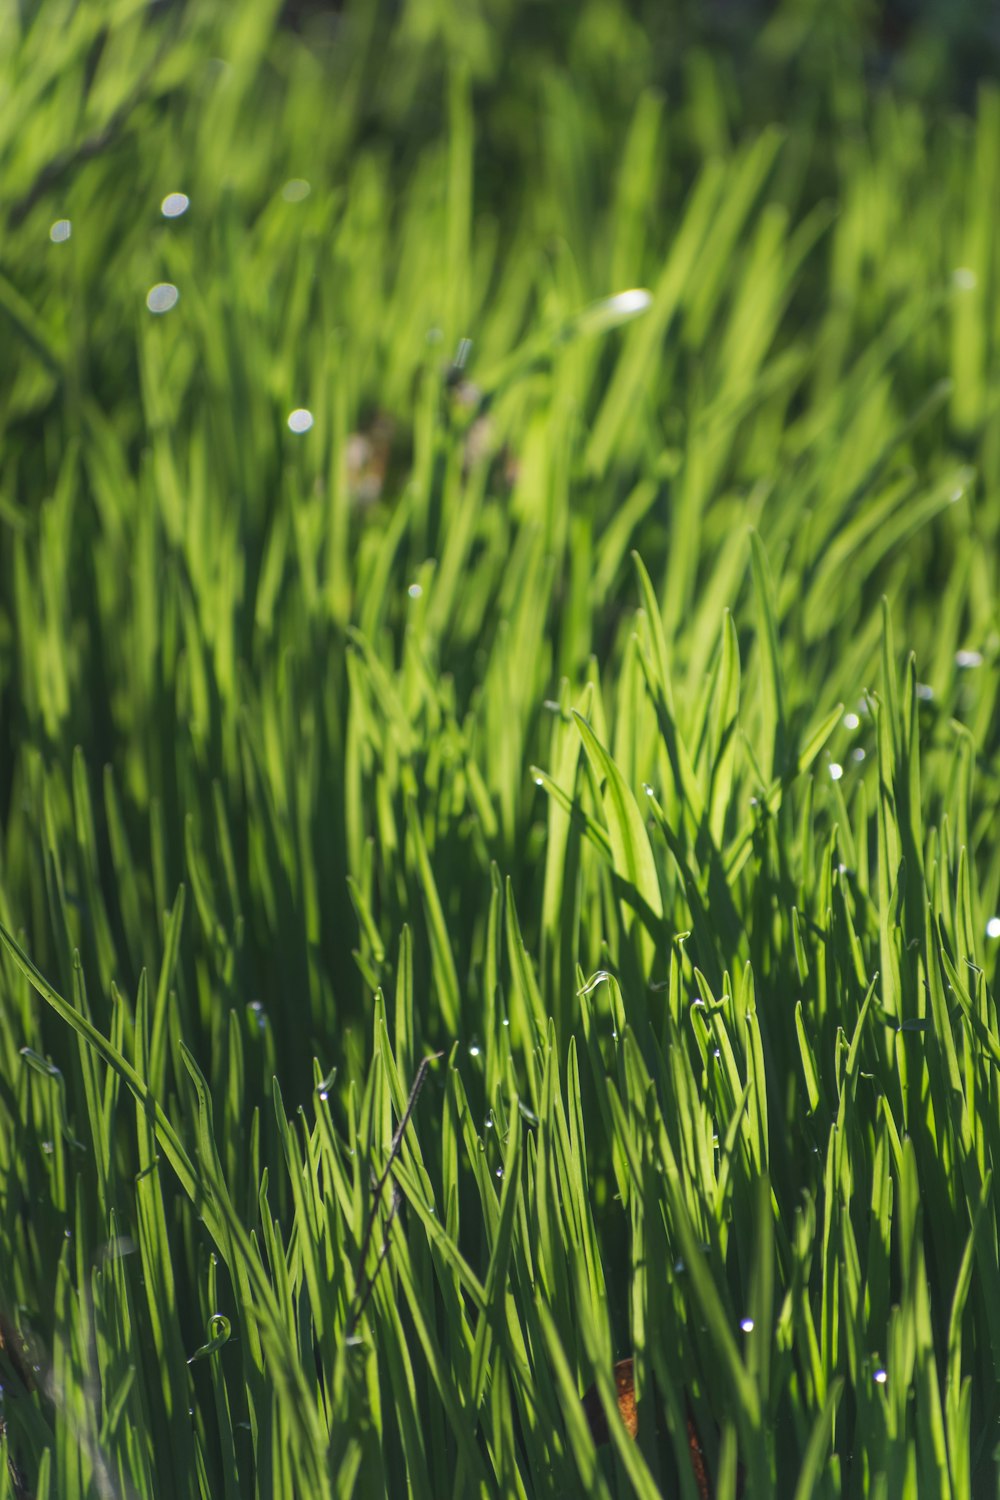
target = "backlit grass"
x: 521, y: 620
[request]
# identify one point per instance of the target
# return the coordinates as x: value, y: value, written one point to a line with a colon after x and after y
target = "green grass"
x: 608, y: 712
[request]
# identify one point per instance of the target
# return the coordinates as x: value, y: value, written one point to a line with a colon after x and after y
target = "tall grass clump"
x: 499, y: 751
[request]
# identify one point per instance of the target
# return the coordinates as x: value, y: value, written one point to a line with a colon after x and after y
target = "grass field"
x: 499, y: 751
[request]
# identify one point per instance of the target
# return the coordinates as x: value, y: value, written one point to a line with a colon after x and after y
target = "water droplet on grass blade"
x: 746, y: 1325
x: 594, y: 980
x: 300, y: 420
x: 162, y: 297
x: 631, y: 303
x: 295, y: 189
x: 880, y: 1376
x: 968, y: 659
x: 175, y: 204
x: 61, y: 231
x: 612, y: 312
x: 993, y: 927
x: 851, y: 721
x: 836, y: 771
x: 325, y: 1085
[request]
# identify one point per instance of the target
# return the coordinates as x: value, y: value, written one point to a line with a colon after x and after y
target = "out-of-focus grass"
x: 340, y: 728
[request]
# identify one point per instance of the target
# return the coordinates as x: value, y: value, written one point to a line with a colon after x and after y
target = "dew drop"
x: 746, y: 1325
x: 175, y: 204
x: 836, y: 770
x: 415, y: 591
x: 964, y: 278
x: 924, y: 692
x: 475, y: 1051
x: 967, y: 659
x: 598, y: 977
x: 630, y: 303
x: 61, y: 231
x: 880, y: 1376
x: 300, y: 420
x: 857, y: 754
x: 295, y: 189
x: 851, y: 721
x: 993, y: 927
x: 162, y: 297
